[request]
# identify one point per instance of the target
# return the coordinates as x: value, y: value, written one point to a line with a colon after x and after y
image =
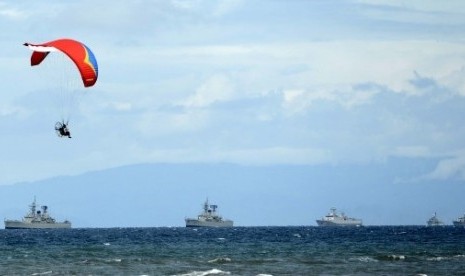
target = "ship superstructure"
x: 36, y: 219
x: 459, y: 222
x: 208, y: 218
x: 434, y: 221
x: 335, y: 219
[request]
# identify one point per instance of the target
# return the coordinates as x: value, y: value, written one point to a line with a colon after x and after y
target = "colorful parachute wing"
x: 79, y: 53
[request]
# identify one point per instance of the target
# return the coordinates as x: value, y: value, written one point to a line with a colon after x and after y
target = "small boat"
x: 208, y: 218
x: 36, y: 219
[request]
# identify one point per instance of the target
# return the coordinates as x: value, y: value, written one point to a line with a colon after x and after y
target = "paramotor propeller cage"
x: 59, y: 128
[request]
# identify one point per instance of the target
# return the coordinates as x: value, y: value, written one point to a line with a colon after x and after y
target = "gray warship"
x: 36, y: 219
x: 208, y: 218
x: 434, y: 221
x: 335, y: 219
x: 459, y: 222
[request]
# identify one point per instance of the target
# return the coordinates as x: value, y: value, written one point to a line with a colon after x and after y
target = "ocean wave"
x: 437, y: 259
x: 220, y: 260
x: 364, y: 259
x: 42, y: 273
x: 445, y: 258
x: 391, y: 258
x: 213, y: 271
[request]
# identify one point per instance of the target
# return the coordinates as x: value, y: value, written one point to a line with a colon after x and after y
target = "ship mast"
x: 33, y: 207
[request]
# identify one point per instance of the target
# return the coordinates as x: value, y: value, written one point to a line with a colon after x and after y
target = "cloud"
x: 275, y: 155
x: 423, y: 82
x: 424, y: 12
x: 452, y: 168
x: 299, y: 101
x: 226, y: 6
x: 455, y: 80
x: 217, y: 8
x: 412, y: 151
x: 192, y: 80
x: 12, y: 13
x: 455, y: 6
x: 217, y: 88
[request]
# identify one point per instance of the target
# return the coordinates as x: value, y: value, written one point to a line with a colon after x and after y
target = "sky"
x: 276, y: 82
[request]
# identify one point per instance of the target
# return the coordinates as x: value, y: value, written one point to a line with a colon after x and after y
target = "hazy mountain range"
x: 152, y: 195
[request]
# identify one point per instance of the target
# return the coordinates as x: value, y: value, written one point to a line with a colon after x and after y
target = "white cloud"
x: 20, y: 112
x: 275, y: 155
x: 455, y: 80
x: 185, y: 4
x: 227, y: 6
x: 428, y: 12
x: 251, y: 156
x: 216, y: 8
x: 412, y: 151
x: 217, y: 88
x: 298, y: 101
x: 176, y: 74
x: 449, y: 168
x: 12, y: 13
x: 121, y: 106
x: 153, y: 124
x: 454, y: 6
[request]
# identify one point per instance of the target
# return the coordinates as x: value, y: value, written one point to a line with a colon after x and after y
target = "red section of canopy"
x: 79, y: 53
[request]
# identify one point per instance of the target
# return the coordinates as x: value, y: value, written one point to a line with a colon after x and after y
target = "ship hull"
x: 435, y: 224
x: 345, y: 223
x: 197, y: 223
x: 12, y: 224
x: 459, y: 223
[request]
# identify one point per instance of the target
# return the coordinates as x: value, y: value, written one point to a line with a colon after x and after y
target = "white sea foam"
x: 364, y: 259
x: 213, y: 271
x: 43, y: 273
x: 220, y: 260
x: 440, y: 258
x: 396, y: 257
x: 264, y: 275
x: 437, y: 259
x: 297, y: 235
x: 107, y: 243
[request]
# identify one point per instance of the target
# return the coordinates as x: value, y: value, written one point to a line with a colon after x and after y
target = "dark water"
x: 234, y: 251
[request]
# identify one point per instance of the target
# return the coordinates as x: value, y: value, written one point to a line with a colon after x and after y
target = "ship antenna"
x: 205, y: 205
x: 33, y: 206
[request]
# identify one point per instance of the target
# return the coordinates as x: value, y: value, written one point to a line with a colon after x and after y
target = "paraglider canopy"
x: 79, y: 53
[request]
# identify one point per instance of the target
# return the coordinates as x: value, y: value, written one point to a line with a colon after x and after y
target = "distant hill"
x: 152, y: 195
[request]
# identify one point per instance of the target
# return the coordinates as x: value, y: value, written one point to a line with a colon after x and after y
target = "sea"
x: 368, y: 250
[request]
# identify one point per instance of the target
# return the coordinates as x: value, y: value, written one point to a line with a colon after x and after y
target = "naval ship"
x: 434, y: 221
x: 36, y: 220
x: 209, y: 218
x: 334, y: 219
x: 459, y: 222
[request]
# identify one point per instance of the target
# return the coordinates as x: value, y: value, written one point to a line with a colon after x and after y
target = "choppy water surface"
x: 234, y: 251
